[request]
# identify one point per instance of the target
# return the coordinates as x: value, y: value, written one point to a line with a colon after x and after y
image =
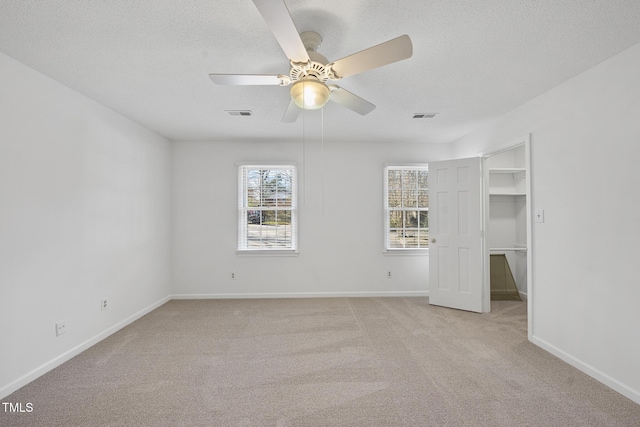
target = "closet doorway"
x: 507, y: 223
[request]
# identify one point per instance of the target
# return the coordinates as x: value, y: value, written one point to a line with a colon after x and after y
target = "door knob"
x: 433, y: 240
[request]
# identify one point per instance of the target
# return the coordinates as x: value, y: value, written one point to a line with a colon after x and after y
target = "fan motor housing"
x: 312, y: 69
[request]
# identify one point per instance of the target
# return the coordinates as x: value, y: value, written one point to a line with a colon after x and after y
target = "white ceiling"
x: 473, y: 59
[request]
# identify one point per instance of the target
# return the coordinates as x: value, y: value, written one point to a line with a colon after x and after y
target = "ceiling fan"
x: 310, y: 71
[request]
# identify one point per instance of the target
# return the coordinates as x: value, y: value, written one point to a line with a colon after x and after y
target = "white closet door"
x: 455, y: 247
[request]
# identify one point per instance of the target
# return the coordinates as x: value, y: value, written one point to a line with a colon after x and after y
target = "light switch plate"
x: 540, y: 215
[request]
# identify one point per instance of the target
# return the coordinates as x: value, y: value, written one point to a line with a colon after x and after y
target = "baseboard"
x: 54, y: 363
x: 589, y: 370
x: 304, y: 295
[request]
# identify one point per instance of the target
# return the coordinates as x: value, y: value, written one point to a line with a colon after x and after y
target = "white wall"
x: 84, y: 215
x: 585, y: 140
x: 340, y: 221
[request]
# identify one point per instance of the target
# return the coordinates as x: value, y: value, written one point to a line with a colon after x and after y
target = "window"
x: 406, y: 195
x: 267, y: 211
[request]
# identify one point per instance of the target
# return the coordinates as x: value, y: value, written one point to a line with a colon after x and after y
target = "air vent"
x: 424, y: 115
x: 244, y: 113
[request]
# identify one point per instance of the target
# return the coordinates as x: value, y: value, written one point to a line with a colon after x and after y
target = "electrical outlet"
x: 104, y: 304
x: 388, y: 275
x: 233, y: 276
x: 61, y: 327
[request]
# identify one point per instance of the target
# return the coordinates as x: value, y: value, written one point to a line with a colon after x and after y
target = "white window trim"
x: 386, y: 249
x: 242, y: 208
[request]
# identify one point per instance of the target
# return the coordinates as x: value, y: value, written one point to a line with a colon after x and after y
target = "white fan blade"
x: 385, y: 53
x: 279, y: 21
x: 246, y: 79
x: 292, y: 113
x: 349, y: 100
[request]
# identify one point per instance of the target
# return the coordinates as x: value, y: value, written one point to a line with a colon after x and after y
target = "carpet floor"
x: 320, y: 362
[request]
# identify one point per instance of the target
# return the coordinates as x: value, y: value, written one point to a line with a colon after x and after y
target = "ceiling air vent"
x: 244, y: 113
x: 424, y: 115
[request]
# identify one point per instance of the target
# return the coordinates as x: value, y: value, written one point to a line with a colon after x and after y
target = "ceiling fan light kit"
x: 310, y: 93
x: 310, y: 70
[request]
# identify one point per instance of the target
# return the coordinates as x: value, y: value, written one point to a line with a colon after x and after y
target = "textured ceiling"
x: 473, y: 59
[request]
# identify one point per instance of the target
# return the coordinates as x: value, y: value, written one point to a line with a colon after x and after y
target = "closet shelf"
x: 506, y: 170
x: 509, y: 249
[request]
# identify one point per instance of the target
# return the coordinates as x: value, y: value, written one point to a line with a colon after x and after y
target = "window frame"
x: 387, y: 211
x: 242, y: 246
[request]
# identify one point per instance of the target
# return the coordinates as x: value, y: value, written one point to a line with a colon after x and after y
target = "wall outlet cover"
x: 61, y: 327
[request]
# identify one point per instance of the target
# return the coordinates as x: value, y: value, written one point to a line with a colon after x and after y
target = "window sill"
x: 267, y: 252
x: 406, y: 252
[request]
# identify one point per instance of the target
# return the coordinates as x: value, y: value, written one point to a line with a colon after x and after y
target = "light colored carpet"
x: 320, y: 362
